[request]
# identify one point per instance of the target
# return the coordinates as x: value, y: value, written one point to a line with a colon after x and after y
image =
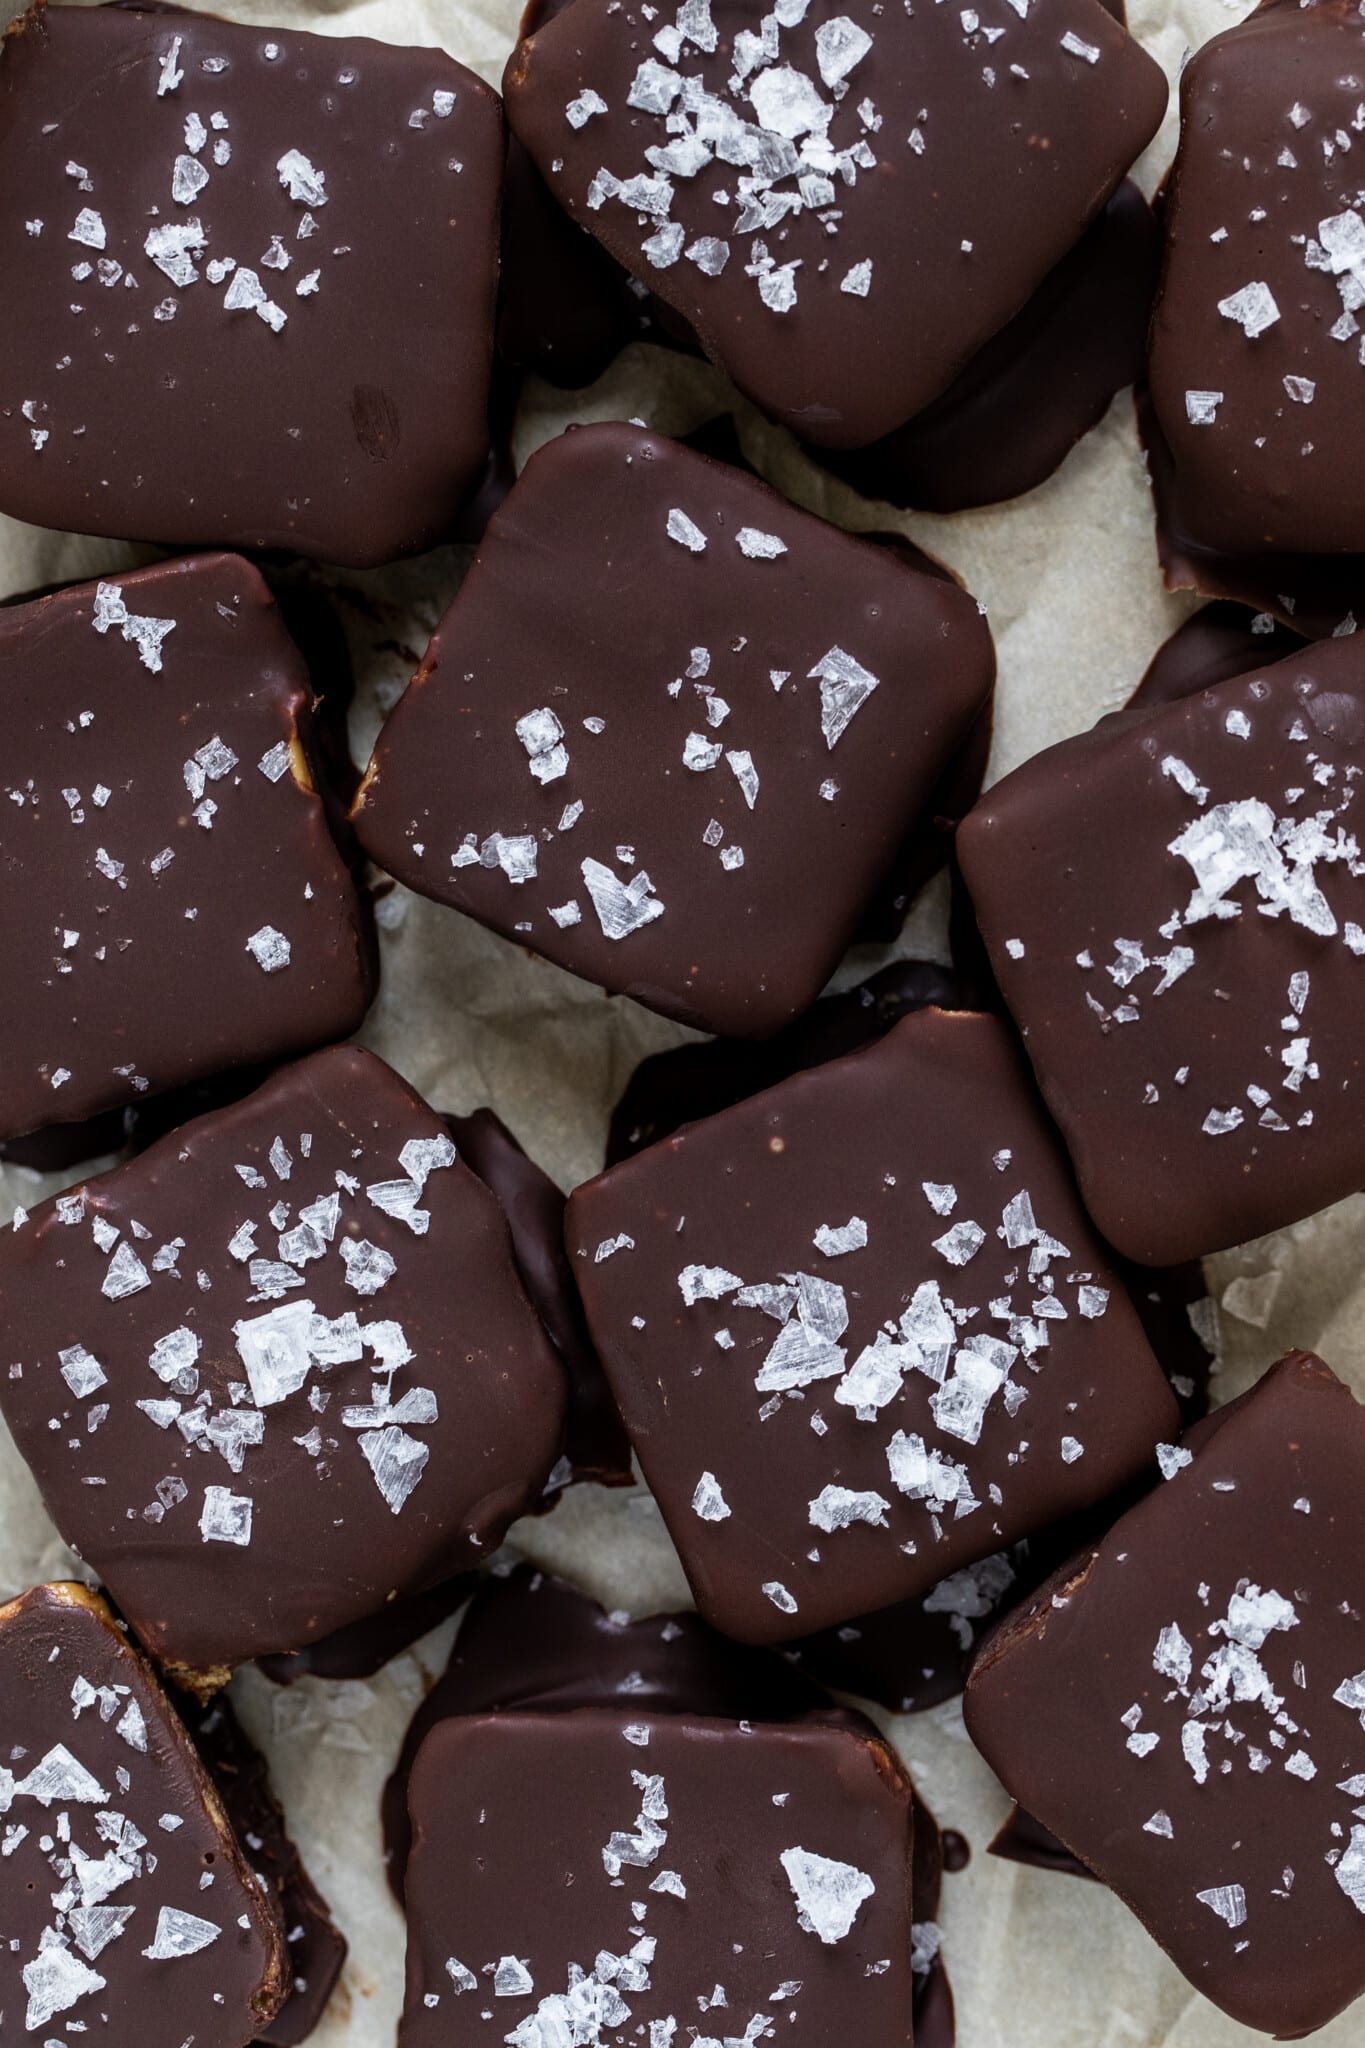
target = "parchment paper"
x: 1070, y: 580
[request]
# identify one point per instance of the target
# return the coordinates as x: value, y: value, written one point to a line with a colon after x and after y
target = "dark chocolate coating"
x: 1037, y: 387
x: 914, y: 1654
x: 529, y: 1640
x: 689, y: 1082
x: 533, y: 1642
x: 799, y: 794
x: 1212, y: 645
x: 366, y: 1646
x: 350, y: 430
x: 953, y: 147
x: 150, y: 1863
x: 929, y: 842
x: 1223, y: 1106
x: 595, y: 1443
x: 1313, y: 595
x: 330, y: 1511
x: 732, y: 1407
x: 315, y: 1949
x: 1174, y: 1308
x: 565, y: 310
x: 1255, y: 363
x: 511, y: 1817
x: 61, y: 1146
x: 1183, y: 1706
x: 157, y: 827
x: 1022, y: 1839
x: 308, y: 607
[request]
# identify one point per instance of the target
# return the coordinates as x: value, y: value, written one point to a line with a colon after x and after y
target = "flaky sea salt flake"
x: 1253, y: 308
x: 685, y: 531
x: 180, y: 1934
x: 1228, y: 1901
x: 828, y: 1894
x: 708, y: 1502
x: 300, y: 180
x: 225, y: 1517
x: 845, y: 686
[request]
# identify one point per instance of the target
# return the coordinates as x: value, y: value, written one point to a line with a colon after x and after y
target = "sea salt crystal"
x: 300, y: 180
x: 622, y: 907
x: 397, y: 1461
x: 269, y: 948
x: 180, y: 1934
x: 1201, y: 407
x: 845, y: 686
x: 828, y: 1894
x: 1253, y: 308
x: 960, y: 1244
x: 685, y: 531
x: 839, y: 1507
x: 708, y: 1501
x: 763, y: 547
x: 226, y: 1517
x: 1228, y: 1901
x: 835, y: 1240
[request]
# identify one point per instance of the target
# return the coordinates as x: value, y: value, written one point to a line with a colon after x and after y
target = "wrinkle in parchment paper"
x: 1070, y: 582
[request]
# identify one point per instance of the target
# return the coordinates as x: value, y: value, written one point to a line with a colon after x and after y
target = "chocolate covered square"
x: 278, y: 1370
x: 1184, y: 1706
x: 1174, y: 906
x: 172, y: 900
x: 131, y: 1915
x: 861, y: 1331
x: 843, y: 200
x: 673, y: 732
x: 641, y: 1876
x: 249, y: 283
x: 1256, y: 341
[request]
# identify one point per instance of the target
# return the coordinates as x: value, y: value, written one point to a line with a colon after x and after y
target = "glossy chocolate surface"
x: 1174, y: 906
x: 1022, y: 1839
x: 595, y: 1443
x: 689, y: 1082
x: 1036, y: 388
x: 366, y: 1646
x: 717, y: 708
x: 131, y: 1915
x: 1185, y: 1706
x: 172, y: 900
x: 735, y: 1272
x: 315, y: 1949
x: 1255, y: 360
x: 1317, y: 596
x: 914, y: 1654
x: 1220, y: 641
x: 844, y: 207
x: 764, y: 1858
x: 249, y: 283
x: 529, y: 1640
x: 253, y: 1341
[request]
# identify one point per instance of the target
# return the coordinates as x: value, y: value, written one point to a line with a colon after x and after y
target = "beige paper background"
x: 1070, y: 582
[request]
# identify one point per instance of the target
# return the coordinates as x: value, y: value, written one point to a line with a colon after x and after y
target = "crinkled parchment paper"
x: 1070, y: 581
